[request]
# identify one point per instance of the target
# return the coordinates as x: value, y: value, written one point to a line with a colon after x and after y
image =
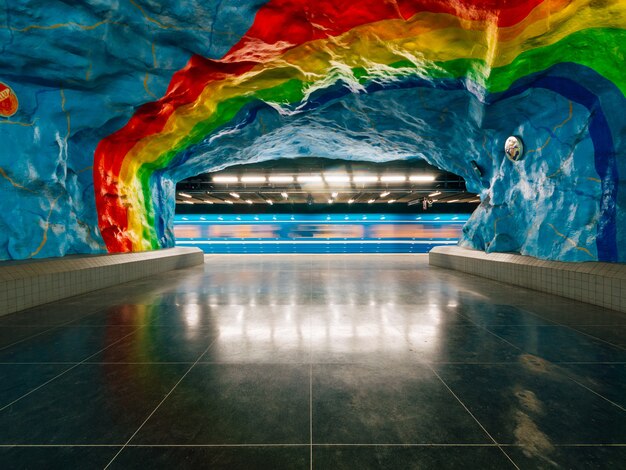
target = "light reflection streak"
x: 337, y: 329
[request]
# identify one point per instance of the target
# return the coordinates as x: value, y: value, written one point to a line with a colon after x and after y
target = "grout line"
x: 591, y: 363
x: 483, y: 327
x: 67, y: 370
x: 311, y: 413
x: 594, y: 392
x: 595, y: 337
x: 463, y: 404
x: 570, y: 327
x: 556, y: 324
x: 417, y: 361
x: 474, y: 417
x: 159, y: 405
x: 311, y: 366
x: 51, y: 328
x: 302, y: 445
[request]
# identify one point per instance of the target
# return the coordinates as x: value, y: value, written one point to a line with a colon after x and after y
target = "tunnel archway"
x: 387, y: 80
x: 318, y: 205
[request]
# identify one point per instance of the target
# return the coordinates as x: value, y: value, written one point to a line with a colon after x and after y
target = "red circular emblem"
x: 8, y: 101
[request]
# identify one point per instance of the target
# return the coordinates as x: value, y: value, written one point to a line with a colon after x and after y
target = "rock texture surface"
x: 119, y: 100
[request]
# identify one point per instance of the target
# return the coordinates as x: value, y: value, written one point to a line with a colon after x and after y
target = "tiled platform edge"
x: 602, y: 284
x: 31, y: 283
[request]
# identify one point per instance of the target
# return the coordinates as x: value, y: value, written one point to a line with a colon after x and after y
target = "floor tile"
x: 118, y: 315
x: 559, y: 344
x: 19, y: 379
x: 230, y: 458
x: 409, y: 458
x: 466, y: 344
x: 13, y: 334
x: 69, y: 344
x: 154, y: 344
x: 234, y: 404
x: 608, y: 458
x: 534, y: 405
x: 52, y: 314
x: 569, y: 312
x: 614, y: 334
x: 90, y: 404
x: 45, y: 458
x: 608, y: 380
x: 353, y: 338
x: 488, y: 314
x: 361, y: 404
x: 261, y: 334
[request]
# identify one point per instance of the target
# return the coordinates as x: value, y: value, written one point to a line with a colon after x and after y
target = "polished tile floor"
x: 329, y: 362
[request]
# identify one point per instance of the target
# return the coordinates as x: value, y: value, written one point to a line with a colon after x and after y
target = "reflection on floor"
x: 313, y: 362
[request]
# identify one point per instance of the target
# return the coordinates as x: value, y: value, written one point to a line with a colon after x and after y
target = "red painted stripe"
x: 507, y: 12
x: 287, y: 24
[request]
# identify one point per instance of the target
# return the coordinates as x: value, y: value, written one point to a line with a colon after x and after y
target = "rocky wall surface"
x: 118, y: 101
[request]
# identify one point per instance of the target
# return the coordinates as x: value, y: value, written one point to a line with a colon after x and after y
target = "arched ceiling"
x: 371, y: 80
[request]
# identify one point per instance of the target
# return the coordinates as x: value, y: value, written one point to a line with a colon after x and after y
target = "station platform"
x: 308, y: 361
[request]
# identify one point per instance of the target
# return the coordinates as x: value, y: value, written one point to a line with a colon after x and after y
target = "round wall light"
x: 514, y: 148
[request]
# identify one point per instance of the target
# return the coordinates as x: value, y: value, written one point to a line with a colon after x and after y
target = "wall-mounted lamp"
x: 514, y: 148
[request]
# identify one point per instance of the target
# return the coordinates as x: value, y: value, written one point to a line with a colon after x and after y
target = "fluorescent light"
x: 249, y: 201
x: 310, y: 179
x: 336, y: 178
x: 421, y: 178
x: 330, y: 201
x: 350, y: 201
x: 284, y: 195
x: 391, y: 201
x: 371, y: 201
x: 281, y: 179
x: 186, y: 202
x: 185, y: 195
x: 437, y: 193
x: 475, y: 200
x: 365, y: 179
x: 253, y: 179
x: 270, y: 202
x: 228, y: 202
x: 206, y: 201
x: 453, y: 200
x: 385, y: 194
x: 225, y: 179
x: 235, y: 195
x: 393, y: 179
x: 334, y: 195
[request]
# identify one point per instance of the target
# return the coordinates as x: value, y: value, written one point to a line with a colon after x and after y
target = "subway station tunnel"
x: 296, y: 234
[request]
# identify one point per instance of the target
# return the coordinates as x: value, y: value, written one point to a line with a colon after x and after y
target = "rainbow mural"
x: 296, y: 52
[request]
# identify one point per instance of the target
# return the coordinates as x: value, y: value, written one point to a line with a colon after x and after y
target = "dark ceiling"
x: 319, y: 181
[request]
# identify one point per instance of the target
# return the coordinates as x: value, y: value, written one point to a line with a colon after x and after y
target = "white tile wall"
x: 602, y: 284
x: 25, y: 284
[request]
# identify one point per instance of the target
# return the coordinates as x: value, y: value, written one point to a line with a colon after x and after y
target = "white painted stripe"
x: 314, y: 242
x: 334, y: 222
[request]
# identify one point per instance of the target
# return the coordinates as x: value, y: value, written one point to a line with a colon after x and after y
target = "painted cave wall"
x: 105, y: 105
